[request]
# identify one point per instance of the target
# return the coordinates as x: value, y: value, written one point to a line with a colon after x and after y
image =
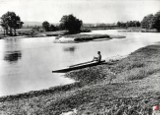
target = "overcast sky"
x: 90, y: 11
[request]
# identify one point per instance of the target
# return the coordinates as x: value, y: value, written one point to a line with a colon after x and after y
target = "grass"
x: 83, y: 37
x: 129, y: 86
x: 87, y: 37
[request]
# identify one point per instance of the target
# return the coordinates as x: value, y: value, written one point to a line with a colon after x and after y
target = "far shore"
x: 64, y: 36
x: 79, y: 37
x: 128, y: 86
x: 28, y: 32
x: 38, y: 34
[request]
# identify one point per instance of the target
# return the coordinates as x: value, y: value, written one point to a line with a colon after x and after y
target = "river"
x: 26, y: 64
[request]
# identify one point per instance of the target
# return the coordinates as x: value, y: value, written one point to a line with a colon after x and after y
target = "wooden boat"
x: 79, y: 66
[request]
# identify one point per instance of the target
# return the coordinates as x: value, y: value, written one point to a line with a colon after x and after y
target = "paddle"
x: 81, y: 63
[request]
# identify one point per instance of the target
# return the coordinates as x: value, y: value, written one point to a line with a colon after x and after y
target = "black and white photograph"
x: 79, y: 57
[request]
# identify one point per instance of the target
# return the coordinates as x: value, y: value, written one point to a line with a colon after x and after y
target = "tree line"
x: 10, y: 22
x: 129, y: 24
x: 49, y: 27
x: 151, y: 21
x: 67, y: 22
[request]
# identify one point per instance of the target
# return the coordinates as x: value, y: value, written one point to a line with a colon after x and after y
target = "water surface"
x: 26, y: 64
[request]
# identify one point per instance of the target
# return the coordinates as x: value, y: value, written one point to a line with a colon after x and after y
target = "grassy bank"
x: 87, y: 37
x: 29, y: 33
x: 69, y: 38
x: 129, y: 86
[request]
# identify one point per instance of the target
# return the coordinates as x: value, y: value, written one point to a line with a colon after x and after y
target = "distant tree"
x: 46, y: 25
x: 36, y: 28
x: 128, y: 24
x: 138, y: 24
x: 10, y: 21
x: 52, y: 27
x: 16, y: 25
x: 147, y: 21
x: 4, y: 24
x: 121, y: 24
x: 70, y: 23
x: 133, y: 24
x: 156, y: 21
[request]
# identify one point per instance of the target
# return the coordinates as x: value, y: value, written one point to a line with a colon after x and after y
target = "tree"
x: 147, y: 21
x: 46, y: 25
x: 52, y: 27
x: 16, y: 24
x: 156, y: 21
x: 70, y: 23
x: 138, y: 24
x: 121, y: 24
x: 10, y: 21
x: 4, y: 24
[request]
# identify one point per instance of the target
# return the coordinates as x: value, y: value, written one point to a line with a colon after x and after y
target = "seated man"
x: 99, y: 58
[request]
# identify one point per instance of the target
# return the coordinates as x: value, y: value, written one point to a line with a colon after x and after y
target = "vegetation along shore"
x: 69, y: 25
x: 128, y: 86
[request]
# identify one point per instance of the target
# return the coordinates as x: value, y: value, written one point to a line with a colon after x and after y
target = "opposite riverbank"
x: 64, y: 36
x: 29, y: 34
x: 131, y: 86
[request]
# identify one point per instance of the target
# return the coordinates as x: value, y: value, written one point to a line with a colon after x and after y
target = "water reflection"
x: 70, y: 49
x: 12, y: 56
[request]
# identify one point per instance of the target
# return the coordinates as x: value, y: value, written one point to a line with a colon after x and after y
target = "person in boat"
x: 98, y: 58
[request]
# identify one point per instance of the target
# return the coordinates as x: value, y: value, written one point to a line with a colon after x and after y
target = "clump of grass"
x: 86, y: 37
x: 137, y: 72
x: 92, y: 74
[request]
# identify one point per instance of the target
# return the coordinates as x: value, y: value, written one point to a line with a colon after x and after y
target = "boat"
x: 79, y: 66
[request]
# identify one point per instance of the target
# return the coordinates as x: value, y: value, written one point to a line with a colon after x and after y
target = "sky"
x: 89, y: 11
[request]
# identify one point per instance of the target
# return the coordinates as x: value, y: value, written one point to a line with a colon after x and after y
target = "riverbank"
x: 30, y: 34
x: 137, y: 29
x: 65, y: 37
x: 131, y: 86
x: 62, y: 36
